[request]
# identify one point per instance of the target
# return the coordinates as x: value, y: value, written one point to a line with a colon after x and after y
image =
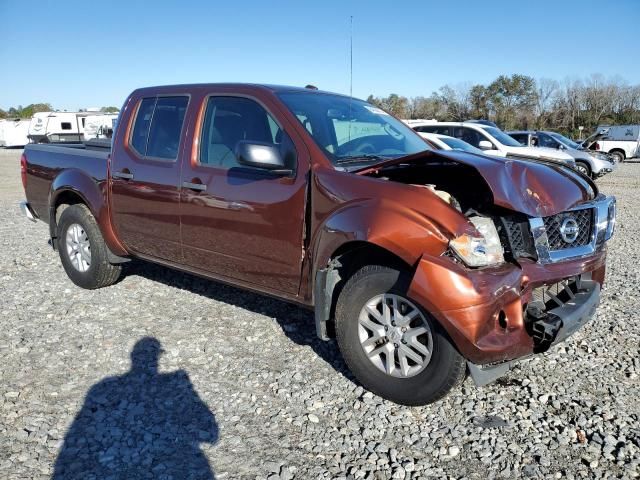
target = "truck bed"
x: 47, y: 163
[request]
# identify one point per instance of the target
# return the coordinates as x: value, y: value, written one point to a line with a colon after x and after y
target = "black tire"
x: 618, y: 156
x: 446, y: 368
x: 100, y: 272
x: 583, y: 168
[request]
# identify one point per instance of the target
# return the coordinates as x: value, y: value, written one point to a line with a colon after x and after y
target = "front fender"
x: 396, y: 228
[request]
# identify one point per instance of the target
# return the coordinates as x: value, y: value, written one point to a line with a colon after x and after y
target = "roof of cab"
x: 243, y: 86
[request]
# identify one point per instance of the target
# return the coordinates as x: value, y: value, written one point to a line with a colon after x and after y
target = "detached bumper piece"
x: 556, y: 312
x: 559, y: 310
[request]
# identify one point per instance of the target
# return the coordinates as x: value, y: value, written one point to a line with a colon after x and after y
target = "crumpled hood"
x: 535, y: 188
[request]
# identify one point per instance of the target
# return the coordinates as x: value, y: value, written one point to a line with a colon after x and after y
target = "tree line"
x: 522, y: 102
x: 29, y: 110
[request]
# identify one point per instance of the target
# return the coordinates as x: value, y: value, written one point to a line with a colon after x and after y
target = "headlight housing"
x: 479, y: 251
x: 599, y: 156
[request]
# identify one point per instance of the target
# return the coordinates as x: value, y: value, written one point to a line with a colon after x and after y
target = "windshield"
x: 565, y: 141
x: 502, y: 137
x: 457, y: 144
x: 350, y: 130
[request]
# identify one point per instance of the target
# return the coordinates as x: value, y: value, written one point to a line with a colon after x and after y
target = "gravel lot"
x: 244, y: 389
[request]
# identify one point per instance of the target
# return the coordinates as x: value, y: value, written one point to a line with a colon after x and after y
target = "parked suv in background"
x: 491, y: 140
x: 593, y: 164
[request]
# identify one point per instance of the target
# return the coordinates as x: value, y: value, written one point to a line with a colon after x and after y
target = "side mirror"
x: 485, y: 145
x: 260, y: 155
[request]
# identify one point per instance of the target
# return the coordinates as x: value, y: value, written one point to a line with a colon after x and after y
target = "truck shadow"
x: 142, y: 424
x: 296, y: 322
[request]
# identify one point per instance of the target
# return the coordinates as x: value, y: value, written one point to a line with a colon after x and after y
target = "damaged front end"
x: 528, y: 272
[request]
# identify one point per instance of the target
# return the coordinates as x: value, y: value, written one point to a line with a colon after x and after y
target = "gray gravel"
x: 244, y: 389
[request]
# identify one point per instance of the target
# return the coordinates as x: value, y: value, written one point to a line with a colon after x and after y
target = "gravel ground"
x: 244, y: 390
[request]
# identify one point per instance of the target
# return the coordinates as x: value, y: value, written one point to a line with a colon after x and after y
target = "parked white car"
x: 99, y: 125
x: 13, y: 133
x: 444, y: 142
x: 491, y: 140
x: 620, y: 141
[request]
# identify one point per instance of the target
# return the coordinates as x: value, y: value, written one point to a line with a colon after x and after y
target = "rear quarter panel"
x: 52, y: 171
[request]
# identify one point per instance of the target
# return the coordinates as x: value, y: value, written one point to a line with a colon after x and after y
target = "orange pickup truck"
x: 424, y: 265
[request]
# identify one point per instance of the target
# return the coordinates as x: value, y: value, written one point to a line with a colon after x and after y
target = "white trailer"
x: 58, y: 127
x: 99, y: 125
x: 13, y: 133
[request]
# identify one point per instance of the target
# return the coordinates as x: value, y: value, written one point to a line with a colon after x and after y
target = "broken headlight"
x: 479, y: 251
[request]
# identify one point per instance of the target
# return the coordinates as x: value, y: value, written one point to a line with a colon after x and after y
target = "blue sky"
x: 93, y: 53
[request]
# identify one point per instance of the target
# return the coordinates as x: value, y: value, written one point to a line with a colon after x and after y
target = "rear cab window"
x: 157, y: 127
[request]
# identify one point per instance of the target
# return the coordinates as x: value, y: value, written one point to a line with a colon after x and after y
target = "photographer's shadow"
x: 143, y: 424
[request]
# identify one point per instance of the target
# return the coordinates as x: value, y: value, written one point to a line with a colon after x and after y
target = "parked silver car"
x: 591, y: 163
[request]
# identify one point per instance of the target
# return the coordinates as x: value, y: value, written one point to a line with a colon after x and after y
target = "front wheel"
x: 392, y: 346
x: 583, y: 168
x: 82, y: 250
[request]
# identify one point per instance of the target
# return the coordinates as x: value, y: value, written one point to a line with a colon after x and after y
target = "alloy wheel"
x: 395, y: 335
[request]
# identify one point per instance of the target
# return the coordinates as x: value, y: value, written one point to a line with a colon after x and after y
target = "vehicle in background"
x: 492, y: 141
x: 443, y: 142
x: 58, y: 127
x: 489, y: 123
x: 422, y: 264
x: 14, y: 132
x: 590, y: 163
x: 620, y: 141
x: 99, y: 125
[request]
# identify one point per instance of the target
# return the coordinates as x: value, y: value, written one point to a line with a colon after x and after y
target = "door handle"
x: 124, y: 175
x: 200, y: 187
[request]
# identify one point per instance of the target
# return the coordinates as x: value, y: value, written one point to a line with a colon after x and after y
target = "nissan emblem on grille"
x: 569, y: 230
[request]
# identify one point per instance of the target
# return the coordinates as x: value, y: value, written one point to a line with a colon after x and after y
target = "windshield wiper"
x: 365, y: 157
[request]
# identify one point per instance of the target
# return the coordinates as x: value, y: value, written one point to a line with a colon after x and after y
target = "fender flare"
x: 93, y: 195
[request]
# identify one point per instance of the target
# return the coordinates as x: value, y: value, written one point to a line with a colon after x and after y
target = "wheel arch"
x: 72, y: 187
x: 619, y: 150
x: 330, y: 278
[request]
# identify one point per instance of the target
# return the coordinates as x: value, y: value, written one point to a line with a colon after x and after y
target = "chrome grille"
x: 553, y: 226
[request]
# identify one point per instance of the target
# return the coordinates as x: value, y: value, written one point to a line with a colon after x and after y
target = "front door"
x: 145, y: 179
x: 239, y: 222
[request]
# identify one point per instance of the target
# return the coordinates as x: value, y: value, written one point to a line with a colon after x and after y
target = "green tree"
x: 110, y: 109
x: 513, y: 99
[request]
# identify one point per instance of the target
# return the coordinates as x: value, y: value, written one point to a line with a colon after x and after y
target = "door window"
x: 523, y: 138
x: 158, y: 125
x: 437, y: 129
x: 469, y: 135
x: 229, y: 120
x: 546, y: 141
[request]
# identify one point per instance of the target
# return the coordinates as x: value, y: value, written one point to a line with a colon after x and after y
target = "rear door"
x: 145, y: 177
x: 239, y: 222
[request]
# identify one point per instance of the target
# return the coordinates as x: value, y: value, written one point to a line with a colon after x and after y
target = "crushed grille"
x: 584, y: 219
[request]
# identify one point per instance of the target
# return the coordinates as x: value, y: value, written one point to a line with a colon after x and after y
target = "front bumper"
x: 602, y: 167
x: 488, y: 313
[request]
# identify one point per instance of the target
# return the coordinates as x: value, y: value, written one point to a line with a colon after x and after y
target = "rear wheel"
x: 392, y: 346
x: 82, y: 250
x: 618, y: 156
